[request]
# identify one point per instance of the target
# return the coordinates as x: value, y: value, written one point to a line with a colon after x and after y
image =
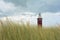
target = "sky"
x: 49, y: 9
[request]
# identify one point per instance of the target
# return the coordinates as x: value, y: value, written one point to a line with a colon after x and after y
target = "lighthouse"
x: 39, y: 20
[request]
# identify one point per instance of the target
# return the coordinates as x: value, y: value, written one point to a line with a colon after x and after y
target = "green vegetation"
x: 13, y: 31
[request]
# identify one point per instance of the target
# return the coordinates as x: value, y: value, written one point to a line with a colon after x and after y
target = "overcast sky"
x: 50, y: 9
x: 11, y: 7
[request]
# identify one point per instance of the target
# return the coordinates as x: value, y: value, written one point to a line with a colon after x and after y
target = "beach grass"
x: 13, y: 31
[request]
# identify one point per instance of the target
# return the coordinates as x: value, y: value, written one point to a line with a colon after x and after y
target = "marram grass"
x: 13, y: 31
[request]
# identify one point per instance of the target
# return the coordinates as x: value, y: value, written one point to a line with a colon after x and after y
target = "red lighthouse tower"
x: 39, y: 20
